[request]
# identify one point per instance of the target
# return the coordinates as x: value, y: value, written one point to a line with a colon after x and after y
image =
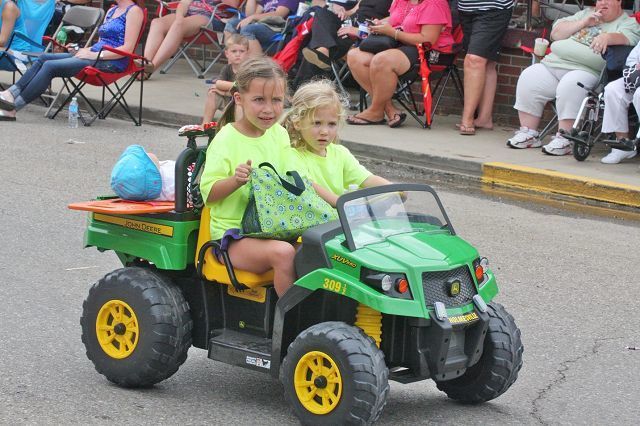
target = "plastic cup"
x: 540, y: 47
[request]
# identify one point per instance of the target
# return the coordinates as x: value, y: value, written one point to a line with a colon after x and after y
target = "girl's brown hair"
x: 250, y: 70
x: 309, y: 97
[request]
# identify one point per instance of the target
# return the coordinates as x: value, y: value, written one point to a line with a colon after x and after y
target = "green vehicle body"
x: 177, y: 252
x: 386, y: 292
x: 169, y: 243
x: 445, y: 252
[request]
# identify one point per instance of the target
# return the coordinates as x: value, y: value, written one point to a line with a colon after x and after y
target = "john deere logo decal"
x: 454, y: 288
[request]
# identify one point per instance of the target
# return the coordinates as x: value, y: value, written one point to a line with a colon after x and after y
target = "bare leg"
x: 474, y: 80
x: 359, y: 62
x: 485, y: 108
x: 259, y: 256
x: 527, y: 120
x: 323, y: 50
x: 209, y: 106
x: 181, y: 28
x: 384, y: 71
x: 566, y: 124
x: 157, y: 31
x: 620, y: 135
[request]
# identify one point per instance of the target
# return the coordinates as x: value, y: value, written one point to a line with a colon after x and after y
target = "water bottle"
x: 73, y: 113
x: 61, y: 37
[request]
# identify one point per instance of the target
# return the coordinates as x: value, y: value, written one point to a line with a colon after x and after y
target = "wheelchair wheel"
x: 581, y: 151
x: 584, y: 141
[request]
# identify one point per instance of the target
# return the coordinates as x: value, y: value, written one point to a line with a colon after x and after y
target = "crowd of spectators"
x: 578, y: 44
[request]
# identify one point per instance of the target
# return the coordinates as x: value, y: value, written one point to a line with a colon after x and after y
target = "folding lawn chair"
x: 280, y: 39
x: 442, y: 62
x: 95, y: 77
x: 206, y: 37
x: 86, y: 18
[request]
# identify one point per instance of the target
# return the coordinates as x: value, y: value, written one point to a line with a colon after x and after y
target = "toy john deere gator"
x: 387, y: 292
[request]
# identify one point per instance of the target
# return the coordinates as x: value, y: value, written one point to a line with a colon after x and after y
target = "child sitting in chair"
x: 139, y: 176
x: 236, y: 51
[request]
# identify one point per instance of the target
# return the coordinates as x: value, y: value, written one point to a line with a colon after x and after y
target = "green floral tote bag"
x: 282, y: 208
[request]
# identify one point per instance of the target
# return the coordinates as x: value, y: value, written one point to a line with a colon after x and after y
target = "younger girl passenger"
x: 313, y: 121
x: 260, y: 90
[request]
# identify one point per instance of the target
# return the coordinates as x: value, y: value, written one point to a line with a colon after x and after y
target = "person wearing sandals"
x: 167, y: 32
x: 410, y: 22
x: 576, y: 56
x: 119, y: 30
x: 484, y: 25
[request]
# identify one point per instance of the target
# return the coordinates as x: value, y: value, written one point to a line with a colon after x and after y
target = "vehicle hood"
x: 421, y: 249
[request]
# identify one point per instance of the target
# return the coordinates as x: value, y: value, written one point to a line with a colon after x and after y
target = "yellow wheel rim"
x: 318, y: 382
x: 117, y: 329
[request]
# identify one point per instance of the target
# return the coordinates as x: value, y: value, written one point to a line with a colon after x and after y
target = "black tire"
x: 161, y: 334
x: 498, y: 366
x: 364, y: 384
x: 581, y: 151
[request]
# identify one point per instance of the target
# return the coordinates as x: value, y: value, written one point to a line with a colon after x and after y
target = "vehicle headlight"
x: 392, y: 284
x: 480, y: 268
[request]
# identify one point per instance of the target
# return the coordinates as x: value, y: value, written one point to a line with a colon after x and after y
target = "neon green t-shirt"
x: 336, y: 171
x: 229, y: 149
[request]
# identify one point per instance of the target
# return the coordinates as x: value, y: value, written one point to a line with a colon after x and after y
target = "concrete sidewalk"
x: 178, y: 98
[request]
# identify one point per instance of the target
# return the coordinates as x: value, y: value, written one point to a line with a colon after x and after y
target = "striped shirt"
x: 476, y: 5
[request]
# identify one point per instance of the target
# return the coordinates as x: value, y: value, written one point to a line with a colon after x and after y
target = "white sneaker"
x: 617, y: 155
x: 524, y: 138
x: 558, y: 146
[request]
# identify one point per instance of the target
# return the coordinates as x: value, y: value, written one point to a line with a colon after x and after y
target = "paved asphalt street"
x: 570, y: 281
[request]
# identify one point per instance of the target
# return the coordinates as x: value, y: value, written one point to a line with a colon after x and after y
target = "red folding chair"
x: 205, y: 38
x: 442, y: 62
x: 109, y: 82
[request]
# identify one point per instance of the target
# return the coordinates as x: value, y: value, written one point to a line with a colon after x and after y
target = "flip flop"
x: 6, y: 105
x: 144, y: 76
x: 6, y: 117
x: 352, y: 119
x: 316, y: 58
x: 399, y: 119
x: 467, y: 130
x: 477, y: 128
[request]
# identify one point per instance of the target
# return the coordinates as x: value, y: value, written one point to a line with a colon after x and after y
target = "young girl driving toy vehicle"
x: 255, y: 138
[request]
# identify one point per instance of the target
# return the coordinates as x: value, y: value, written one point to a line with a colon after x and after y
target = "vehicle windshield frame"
x: 383, y: 189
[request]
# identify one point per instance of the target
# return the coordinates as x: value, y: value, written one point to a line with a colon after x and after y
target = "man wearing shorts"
x: 484, y: 24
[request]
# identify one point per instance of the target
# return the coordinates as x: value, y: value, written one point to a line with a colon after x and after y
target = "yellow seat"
x: 213, y: 270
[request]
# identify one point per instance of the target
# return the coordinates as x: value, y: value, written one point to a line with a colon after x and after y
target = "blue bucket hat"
x: 135, y: 176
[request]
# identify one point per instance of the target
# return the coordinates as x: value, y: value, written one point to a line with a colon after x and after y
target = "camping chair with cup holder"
x: 108, y: 81
x: 206, y: 38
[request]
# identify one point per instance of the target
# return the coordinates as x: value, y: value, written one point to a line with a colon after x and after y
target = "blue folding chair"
x: 35, y: 16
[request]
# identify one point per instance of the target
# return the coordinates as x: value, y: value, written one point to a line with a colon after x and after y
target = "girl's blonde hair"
x: 307, y: 99
x: 251, y: 69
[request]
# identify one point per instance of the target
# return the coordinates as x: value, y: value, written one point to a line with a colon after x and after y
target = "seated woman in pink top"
x: 411, y: 22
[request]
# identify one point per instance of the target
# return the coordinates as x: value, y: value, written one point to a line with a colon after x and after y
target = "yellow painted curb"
x: 548, y: 181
